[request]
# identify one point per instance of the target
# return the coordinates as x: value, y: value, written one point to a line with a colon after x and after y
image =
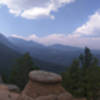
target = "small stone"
x: 13, y: 88
x: 45, y: 77
x: 65, y: 96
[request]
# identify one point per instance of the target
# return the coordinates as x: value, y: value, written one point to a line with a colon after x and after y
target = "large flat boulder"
x: 45, y: 77
x: 44, y: 86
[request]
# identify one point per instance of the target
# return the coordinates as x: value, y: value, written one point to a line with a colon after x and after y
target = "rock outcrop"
x: 41, y: 86
x: 5, y: 94
x: 44, y: 86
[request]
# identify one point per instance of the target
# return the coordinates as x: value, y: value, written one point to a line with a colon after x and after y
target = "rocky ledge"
x: 44, y: 86
x: 41, y: 86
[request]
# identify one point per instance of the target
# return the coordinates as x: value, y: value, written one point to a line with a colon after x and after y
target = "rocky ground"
x: 7, y: 94
x: 41, y: 86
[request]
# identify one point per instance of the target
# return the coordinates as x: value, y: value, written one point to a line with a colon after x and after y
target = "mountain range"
x: 7, y: 55
x: 58, y: 54
x: 53, y: 58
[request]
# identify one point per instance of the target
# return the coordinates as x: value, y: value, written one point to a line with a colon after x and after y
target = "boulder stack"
x: 44, y: 86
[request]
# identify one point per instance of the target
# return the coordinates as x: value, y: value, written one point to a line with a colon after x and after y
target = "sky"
x: 68, y: 22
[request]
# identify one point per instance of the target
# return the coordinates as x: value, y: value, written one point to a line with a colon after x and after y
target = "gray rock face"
x: 44, y: 77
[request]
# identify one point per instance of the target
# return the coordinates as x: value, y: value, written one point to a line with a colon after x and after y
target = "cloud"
x: 87, y: 34
x: 33, y: 9
x: 91, y: 27
x: 47, y: 40
x: 31, y: 37
x: 71, y: 40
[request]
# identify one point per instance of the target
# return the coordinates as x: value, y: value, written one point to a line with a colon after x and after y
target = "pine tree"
x: 86, y: 59
x: 71, y: 78
x: 19, y: 75
x: 82, y: 78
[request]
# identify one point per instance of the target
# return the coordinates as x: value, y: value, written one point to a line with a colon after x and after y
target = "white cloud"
x: 65, y: 40
x: 91, y: 27
x: 33, y: 9
x: 47, y: 40
x: 86, y: 35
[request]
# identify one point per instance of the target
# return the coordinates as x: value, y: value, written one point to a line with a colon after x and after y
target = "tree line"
x: 82, y: 77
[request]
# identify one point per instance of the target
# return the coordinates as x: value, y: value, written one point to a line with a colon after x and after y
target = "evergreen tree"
x: 82, y: 78
x: 19, y: 75
x: 72, y: 78
x: 86, y: 59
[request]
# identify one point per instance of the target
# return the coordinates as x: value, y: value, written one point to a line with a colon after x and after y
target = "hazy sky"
x: 70, y: 22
